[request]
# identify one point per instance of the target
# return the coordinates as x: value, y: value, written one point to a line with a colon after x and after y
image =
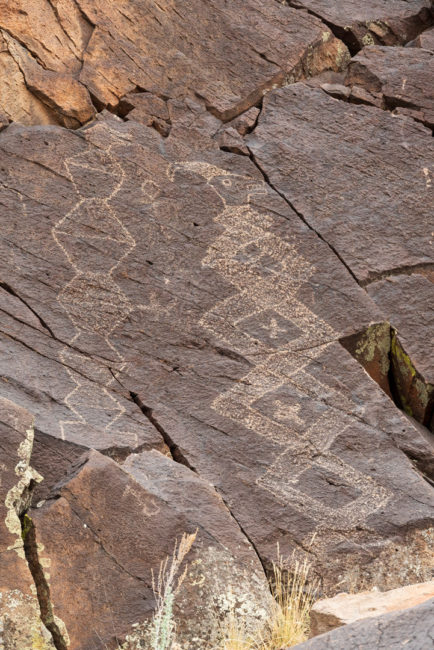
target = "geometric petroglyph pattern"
x: 266, y: 323
x: 94, y: 242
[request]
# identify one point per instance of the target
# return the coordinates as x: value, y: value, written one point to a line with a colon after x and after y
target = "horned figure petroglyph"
x: 266, y: 323
x: 94, y: 242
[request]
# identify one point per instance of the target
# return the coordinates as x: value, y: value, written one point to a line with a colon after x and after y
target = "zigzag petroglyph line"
x: 267, y: 273
x: 94, y: 241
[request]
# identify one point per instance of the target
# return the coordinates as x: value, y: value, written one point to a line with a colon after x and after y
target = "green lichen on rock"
x: 368, y: 39
x: 375, y: 344
x: 26, y: 525
x: 414, y: 393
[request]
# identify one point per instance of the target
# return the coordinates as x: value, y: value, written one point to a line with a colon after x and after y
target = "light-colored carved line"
x: 57, y: 228
x: 244, y: 228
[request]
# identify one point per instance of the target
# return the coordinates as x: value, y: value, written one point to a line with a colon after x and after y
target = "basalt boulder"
x: 169, y: 298
x: 106, y: 530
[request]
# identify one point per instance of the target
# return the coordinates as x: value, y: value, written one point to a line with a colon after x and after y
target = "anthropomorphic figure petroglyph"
x: 264, y: 321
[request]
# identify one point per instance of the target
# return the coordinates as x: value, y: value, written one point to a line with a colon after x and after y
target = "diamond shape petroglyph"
x: 94, y: 242
x: 95, y: 303
x: 92, y: 237
x: 266, y: 321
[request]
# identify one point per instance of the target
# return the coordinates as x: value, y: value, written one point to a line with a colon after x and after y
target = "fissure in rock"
x: 41, y: 584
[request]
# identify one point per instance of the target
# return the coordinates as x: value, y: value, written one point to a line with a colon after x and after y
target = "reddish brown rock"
x: 192, y: 126
x: 147, y: 109
x: 30, y: 374
x: 357, y: 175
x: 411, y: 629
x: 387, y: 22
x: 175, y: 275
x: 44, y: 45
x: 21, y: 627
x: 245, y: 122
x: 17, y: 103
x: 63, y: 95
x: 230, y: 73
x: 54, y: 33
x: 110, y: 52
x: 343, y: 609
x: 424, y: 40
x: 118, y: 528
x: 230, y: 140
x: 408, y: 303
x: 402, y: 77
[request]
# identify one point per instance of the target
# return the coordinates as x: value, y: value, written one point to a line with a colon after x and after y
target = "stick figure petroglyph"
x: 266, y: 323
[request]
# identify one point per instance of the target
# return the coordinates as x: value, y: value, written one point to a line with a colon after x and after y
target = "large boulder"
x: 106, y: 528
x: 170, y: 299
x: 357, y: 175
x: 343, y: 609
x: 411, y: 629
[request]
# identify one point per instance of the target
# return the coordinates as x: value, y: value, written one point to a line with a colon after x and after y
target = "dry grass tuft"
x: 288, y: 621
x: 165, y: 586
x: 286, y: 625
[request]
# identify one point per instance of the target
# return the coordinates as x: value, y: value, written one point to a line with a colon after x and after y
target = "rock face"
x: 425, y: 40
x: 215, y: 283
x: 412, y: 629
x: 365, y: 186
x: 399, y: 78
x: 118, y: 524
x: 347, y: 608
x: 387, y: 22
x: 64, y: 54
x: 218, y: 312
x: 20, y: 625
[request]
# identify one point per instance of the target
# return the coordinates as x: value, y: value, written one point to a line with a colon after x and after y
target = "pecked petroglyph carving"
x: 263, y: 320
x: 266, y: 323
x: 94, y: 241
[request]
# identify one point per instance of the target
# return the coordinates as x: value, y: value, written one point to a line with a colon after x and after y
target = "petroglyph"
x: 94, y: 241
x: 266, y: 323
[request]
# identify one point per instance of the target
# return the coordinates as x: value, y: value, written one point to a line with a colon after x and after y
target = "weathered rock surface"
x: 147, y: 109
x: 20, y: 625
x: 215, y: 286
x: 424, y: 40
x: 408, y: 303
x: 17, y: 103
x: 387, y: 22
x: 358, y: 176
x: 158, y: 271
x: 401, y: 78
x: 64, y: 97
x: 119, y: 525
x: 65, y: 53
x: 412, y: 629
x: 30, y: 373
x: 344, y: 608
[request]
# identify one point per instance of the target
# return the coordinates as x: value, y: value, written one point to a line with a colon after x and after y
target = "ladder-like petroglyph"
x: 266, y: 323
x: 94, y: 241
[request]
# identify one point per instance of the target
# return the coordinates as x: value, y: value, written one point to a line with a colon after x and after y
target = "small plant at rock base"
x: 287, y: 623
x: 235, y: 635
x: 165, y: 587
x: 159, y: 632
